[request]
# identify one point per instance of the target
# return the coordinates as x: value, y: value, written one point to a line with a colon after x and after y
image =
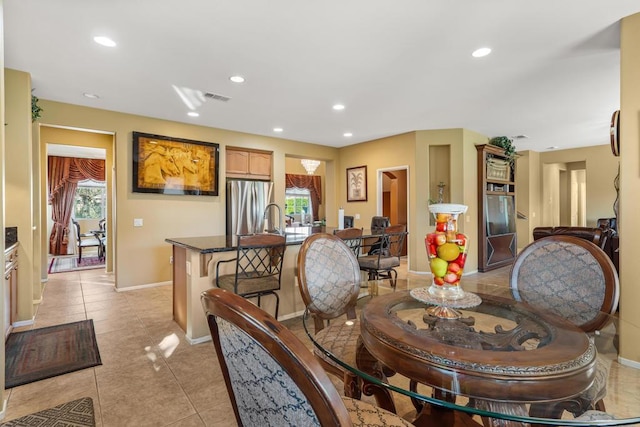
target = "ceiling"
x: 553, y: 74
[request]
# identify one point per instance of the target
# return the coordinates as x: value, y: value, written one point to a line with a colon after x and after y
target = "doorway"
x: 564, y: 194
x: 80, y: 144
x: 393, y: 196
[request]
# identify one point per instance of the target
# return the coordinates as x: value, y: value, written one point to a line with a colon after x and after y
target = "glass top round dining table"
x: 497, y: 362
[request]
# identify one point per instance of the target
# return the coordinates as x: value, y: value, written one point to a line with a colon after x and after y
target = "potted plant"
x: 507, y: 144
x: 36, y: 110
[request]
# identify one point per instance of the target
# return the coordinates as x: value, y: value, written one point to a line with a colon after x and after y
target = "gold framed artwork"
x: 166, y: 165
x: 357, y: 184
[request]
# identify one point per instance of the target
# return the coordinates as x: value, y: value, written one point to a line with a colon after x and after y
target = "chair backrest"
x: 328, y: 277
x: 393, y: 240
x: 271, y: 377
x: 593, y: 235
x: 260, y: 256
x: 389, y: 244
x: 352, y: 237
x: 379, y: 223
x: 76, y: 226
x: 569, y: 276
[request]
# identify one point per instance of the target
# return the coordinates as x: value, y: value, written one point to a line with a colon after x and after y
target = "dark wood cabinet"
x: 497, y: 243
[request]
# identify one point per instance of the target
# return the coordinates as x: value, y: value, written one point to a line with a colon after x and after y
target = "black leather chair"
x: 348, y: 221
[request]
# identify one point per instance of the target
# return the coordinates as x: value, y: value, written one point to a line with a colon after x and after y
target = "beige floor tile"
x: 191, y: 421
x: 50, y: 392
x: 53, y: 319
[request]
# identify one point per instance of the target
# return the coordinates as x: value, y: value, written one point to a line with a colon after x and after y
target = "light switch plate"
x: 137, y: 222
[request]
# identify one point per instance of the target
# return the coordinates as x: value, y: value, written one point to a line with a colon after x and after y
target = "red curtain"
x: 63, y: 175
x: 311, y: 183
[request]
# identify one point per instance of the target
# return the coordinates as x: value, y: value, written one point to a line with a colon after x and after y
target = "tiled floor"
x: 150, y: 375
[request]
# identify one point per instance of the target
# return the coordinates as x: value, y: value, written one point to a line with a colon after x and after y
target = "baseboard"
x: 23, y: 323
x: 291, y: 316
x: 200, y: 340
x: 3, y: 413
x: 629, y: 362
x: 147, y: 286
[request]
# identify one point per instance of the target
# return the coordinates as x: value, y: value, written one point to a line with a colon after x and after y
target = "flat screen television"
x: 500, y: 214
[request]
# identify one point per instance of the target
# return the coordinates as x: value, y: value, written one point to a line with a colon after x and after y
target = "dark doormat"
x: 46, y: 352
x: 77, y: 413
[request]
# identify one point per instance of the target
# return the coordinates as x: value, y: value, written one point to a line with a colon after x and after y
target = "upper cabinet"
x: 249, y: 164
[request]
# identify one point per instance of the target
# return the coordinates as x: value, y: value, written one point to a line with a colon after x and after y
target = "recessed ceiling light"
x: 348, y: 134
x: 237, y: 79
x: 104, y: 41
x: 483, y: 51
x: 278, y: 129
x: 193, y: 114
x: 91, y: 95
x: 553, y: 147
x: 338, y: 107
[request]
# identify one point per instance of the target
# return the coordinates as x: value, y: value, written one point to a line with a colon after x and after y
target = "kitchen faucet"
x: 280, y: 229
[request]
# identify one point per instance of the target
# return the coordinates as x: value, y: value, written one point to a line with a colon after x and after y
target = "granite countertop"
x: 210, y: 244
x: 10, y: 236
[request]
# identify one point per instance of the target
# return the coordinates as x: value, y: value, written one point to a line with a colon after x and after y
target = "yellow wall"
x: 411, y: 150
x: 2, y: 185
x: 17, y: 186
x: 141, y: 254
x: 629, y: 225
x: 601, y: 170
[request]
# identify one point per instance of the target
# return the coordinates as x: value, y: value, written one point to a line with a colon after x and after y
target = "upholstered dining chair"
x: 381, y: 261
x: 271, y: 377
x: 258, y: 267
x: 85, y: 240
x: 575, y: 279
x: 329, y: 282
x: 352, y: 237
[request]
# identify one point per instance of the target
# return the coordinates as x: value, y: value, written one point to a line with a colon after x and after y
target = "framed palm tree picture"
x: 357, y: 184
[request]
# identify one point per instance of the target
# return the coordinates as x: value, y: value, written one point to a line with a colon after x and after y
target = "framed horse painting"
x: 166, y: 165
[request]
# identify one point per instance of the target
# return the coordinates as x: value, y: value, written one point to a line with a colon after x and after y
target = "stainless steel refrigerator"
x: 246, y: 203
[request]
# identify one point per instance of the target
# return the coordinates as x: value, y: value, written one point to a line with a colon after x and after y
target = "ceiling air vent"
x: 216, y: 96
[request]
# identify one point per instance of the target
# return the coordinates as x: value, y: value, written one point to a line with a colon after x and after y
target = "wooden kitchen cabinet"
x: 249, y: 164
x: 497, y: 245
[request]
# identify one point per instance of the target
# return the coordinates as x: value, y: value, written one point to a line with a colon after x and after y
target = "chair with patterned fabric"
x: 575, y: 279
x: 258, y: 267
x: 329, y: 282
x: 271, y: 377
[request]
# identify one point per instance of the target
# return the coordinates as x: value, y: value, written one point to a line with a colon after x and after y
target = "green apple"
x: 439, y: 267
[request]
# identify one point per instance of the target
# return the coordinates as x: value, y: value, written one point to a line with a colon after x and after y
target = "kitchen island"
x: 194, y: 263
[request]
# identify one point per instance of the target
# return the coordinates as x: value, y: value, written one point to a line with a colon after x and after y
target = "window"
x: 90, y: 200
x: 298, y: 202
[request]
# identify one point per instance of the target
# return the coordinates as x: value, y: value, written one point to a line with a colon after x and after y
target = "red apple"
x: 451, y: 278
x: 441, y: 239
x: 454, y: 268
x: 462, y: 258
x: 438, y: 281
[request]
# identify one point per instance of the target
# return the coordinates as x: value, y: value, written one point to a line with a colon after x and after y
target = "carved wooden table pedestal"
x: 501, y: 355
